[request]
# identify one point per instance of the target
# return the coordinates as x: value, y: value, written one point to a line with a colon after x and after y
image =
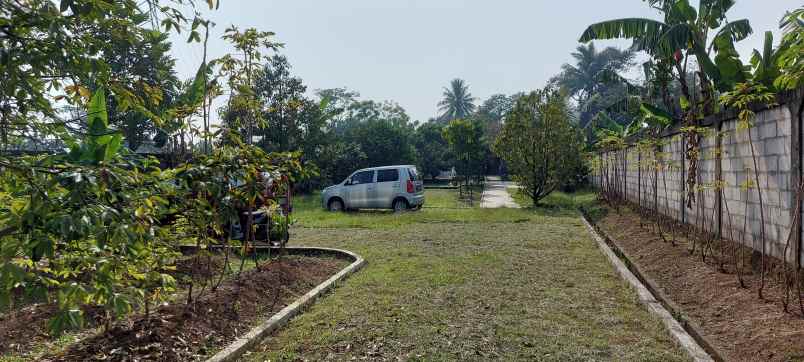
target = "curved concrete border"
x: 257, y: 334
x: 650, y: 301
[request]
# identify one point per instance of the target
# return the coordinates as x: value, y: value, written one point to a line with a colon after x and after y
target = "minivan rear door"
x: 360, y: 188
x: 388, y: 186
x: 417, y: 180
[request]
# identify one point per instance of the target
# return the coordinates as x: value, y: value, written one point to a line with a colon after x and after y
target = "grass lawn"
x: 462, y: 283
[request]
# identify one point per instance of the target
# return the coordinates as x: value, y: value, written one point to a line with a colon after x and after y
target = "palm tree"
x: 592, y: 70
x: 594, y: 80
x: 458, y: 103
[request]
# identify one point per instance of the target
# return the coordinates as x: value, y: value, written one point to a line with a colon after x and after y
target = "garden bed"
x: 175, y: 332
x: 738, y: 324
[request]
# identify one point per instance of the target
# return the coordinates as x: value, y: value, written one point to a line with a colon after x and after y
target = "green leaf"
x: 735, y: 30
x: 628, y: 28
x: 43, y: 248
x: 678, y: 36
x: 66, y: 319
x: 730, y: 68
x: 655, y: 116
x: 196, y: 92
x: 98, y: 118
x: 712, y: 12
x: 98, y: 153
x: 120, y: 305
x: 113, y: 146
x: 685, y: 10
x: 685, y: 103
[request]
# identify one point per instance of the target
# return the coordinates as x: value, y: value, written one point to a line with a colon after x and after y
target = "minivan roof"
x: 385, y: 167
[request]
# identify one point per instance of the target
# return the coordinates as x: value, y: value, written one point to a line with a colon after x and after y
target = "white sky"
x: 407, y: 51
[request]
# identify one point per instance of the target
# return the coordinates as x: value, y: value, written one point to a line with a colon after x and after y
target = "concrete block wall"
x: 771, y: 136
x: 727, y: 145
x: 703, y: 213
x: 648, y: 176
x: 632, y: 174
x: 621, y: 167
x: 670, y: 177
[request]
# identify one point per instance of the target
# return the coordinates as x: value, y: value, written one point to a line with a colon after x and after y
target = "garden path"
x: 496, y: 194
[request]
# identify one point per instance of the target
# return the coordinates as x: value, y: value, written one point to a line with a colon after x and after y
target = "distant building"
x: 149, y: 148
x: 446, y: 174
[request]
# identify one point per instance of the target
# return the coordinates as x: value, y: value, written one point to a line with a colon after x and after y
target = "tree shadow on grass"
x: 557, y: 204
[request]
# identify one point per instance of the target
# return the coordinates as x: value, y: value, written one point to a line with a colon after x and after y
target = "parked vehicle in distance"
x: 391, y: 187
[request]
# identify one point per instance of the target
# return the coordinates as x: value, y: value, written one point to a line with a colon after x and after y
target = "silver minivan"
x: 390, y: 187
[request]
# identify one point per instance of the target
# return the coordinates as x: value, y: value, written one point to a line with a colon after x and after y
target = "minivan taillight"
x: 410, y: 187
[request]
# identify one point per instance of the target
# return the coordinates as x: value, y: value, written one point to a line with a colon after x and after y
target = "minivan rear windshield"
x: 413, y: 175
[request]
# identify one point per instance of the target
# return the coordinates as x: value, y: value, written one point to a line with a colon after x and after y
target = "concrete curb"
x: 259, y: 333
x: 684, y: 339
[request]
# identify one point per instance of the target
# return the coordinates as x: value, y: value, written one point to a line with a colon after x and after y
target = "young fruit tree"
x: 539, y: 143
x: 465, y: 140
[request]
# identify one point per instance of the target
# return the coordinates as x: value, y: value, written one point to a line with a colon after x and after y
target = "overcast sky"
x: 407, y: 51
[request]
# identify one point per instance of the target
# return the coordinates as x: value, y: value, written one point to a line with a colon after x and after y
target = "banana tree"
x: 766, y: 64
x: 683, y: 33
x: 791, y: 60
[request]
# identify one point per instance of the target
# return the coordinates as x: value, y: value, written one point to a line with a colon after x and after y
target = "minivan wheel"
x: 400, y: 205
x: 336, y: 205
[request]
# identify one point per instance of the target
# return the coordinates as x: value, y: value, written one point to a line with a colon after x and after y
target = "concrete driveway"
x: 496, y: 194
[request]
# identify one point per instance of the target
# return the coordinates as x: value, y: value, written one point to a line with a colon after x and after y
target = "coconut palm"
x: 592, y: 69
x: 457, y: 103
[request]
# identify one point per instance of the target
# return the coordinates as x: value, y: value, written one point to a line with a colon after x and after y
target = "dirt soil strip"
x: 684, y: 339
x: 259, y: 333
x: 707, y: 295
x: 178, y: 332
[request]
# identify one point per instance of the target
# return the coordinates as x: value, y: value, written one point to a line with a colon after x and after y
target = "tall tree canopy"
x: 361, y: 133
x: 432, y: 149
x: 540, y: 144
x: 293, y: 122
x: 457, y: 102
x: 592, y: 70
x: 465, y: 140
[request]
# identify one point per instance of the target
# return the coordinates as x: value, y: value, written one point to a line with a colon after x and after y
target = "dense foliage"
x: 465, y: 141
x: 540, y: 144
x: 99, y: 226
x: 675, y: 94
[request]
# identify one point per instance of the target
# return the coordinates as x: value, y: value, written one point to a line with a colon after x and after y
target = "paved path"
x: 496, y: 194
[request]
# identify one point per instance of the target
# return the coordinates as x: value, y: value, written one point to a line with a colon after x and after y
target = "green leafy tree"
x: 539, y: 143
x: 243, y: 109
x: 592, y: 70
x: 52, y: 55
x: 385, y: 142
x: 338, y: 160
x: 683, y: 33
x: 432, y: 149
x: 790, y: 59
x: 85, y: 228
x: 465, y: 140
x: 382, y: 130
x: 457, y: 103
x: 143, y: 60
x: 293, y: 122
x: 491, y: 114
